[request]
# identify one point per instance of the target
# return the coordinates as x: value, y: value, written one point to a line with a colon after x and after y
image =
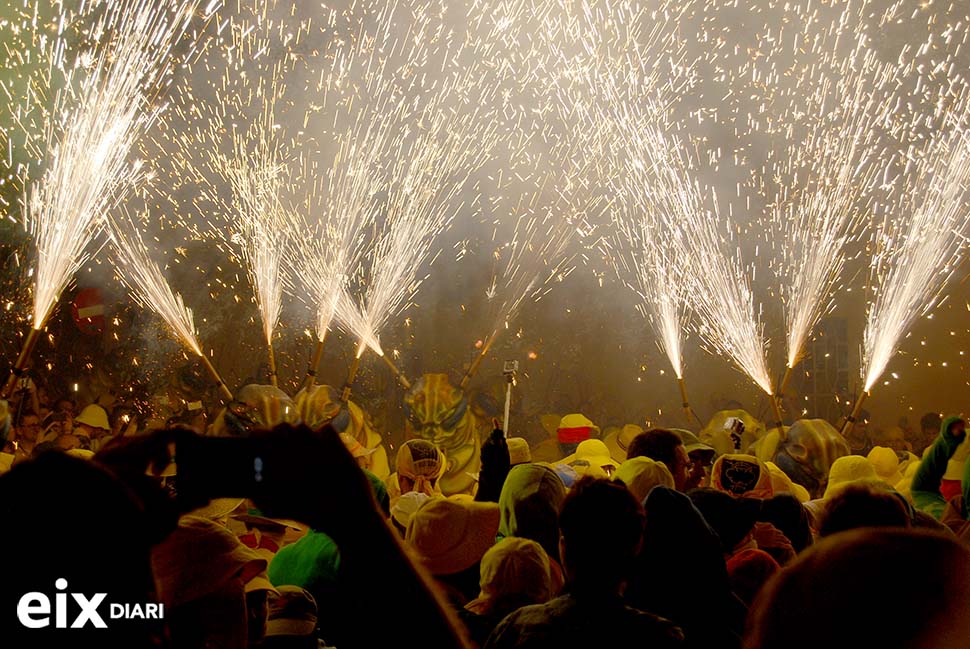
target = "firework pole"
x: 775, y: 398
x: 784, y: 382
x: 856, y: 411
x: 475, y: 363
x: 397, y: 373
x: 352, y: 373
x: 273, y: 379
x: 18, y: 367
x: 685, y: 403
x: 226, y: 394
x: 311, y: 370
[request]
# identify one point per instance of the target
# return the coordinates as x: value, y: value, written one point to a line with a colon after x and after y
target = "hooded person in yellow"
x: 514, y: 573
x: 529, y: 508
x: 742, y: 475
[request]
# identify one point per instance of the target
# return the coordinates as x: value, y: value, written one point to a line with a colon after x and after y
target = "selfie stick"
x: 511, y: 367
x: 226, y: 394
x: 311, y: 370
x: 18, y: 368
x: 851, y: 419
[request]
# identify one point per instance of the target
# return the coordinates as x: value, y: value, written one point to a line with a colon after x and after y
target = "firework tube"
x: 851, y: 419
x: 776, y: 411
x: 784, y: 381
x: 688, y: 411
x: 18, y: 368
x: 227, y: 395
x: 397, y: 373
x: 475, y: 363
x: 311, y: 370
x: 273, y: 380
x: 352, y: 374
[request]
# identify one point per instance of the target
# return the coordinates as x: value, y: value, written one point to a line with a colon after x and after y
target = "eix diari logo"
x: 34, y: 609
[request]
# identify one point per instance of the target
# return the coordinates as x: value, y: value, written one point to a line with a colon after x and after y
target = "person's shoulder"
x: 528, y: 626
x: 659, y: 629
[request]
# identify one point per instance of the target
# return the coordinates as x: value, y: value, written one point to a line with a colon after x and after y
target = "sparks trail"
x: 145, y: 280
x: 837, y: 106
x: 108, y: 97
x: 916, y: 250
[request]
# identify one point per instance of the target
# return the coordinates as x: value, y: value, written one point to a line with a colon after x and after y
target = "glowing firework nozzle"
x: 475, y: 363
x: 18, y: 367
x: 783, y: 387
x: 397, y: 373
x: 856, y: 411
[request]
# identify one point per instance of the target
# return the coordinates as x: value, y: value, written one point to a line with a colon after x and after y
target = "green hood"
x: 529, y: 506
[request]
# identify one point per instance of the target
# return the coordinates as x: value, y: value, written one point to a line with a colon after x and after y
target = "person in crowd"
x: 926, y: 489
x: 681, y: 558
x: 701, y: 457
x: 929, y: 428
x: 514, y: 573
x: 787, y: 514
x: 641, y: 475
x: 91, y: 427
x: 25, y: 436
x: 449, y: 537
x: 496, y: 462
x: 529, y: 508
x: 742, y: 475
x: 664, y: 446
x: 863, y: 505
x: 519, y: 451
x: 202, y: 572
x: 419, y: 465
x: 403, y: 509
x: 596, y: 515
x: 572, y: 430
x: 868, y: 588
x: 749, y: 570
x: 291, y: 621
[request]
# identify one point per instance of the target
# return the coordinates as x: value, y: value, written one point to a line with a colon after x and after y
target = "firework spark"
x: 148, y: 285
x: 914, y: 257
x: 106, y: 104
x: 838, y: 109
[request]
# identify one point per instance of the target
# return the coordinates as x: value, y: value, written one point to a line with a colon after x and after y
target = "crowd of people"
x: 280, y: 538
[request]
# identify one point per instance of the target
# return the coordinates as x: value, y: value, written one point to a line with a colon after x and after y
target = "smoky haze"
x: 583, y: 347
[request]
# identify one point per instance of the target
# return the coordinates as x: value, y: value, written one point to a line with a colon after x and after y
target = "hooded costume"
x: 742, y: 475
x: 925, y: 490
